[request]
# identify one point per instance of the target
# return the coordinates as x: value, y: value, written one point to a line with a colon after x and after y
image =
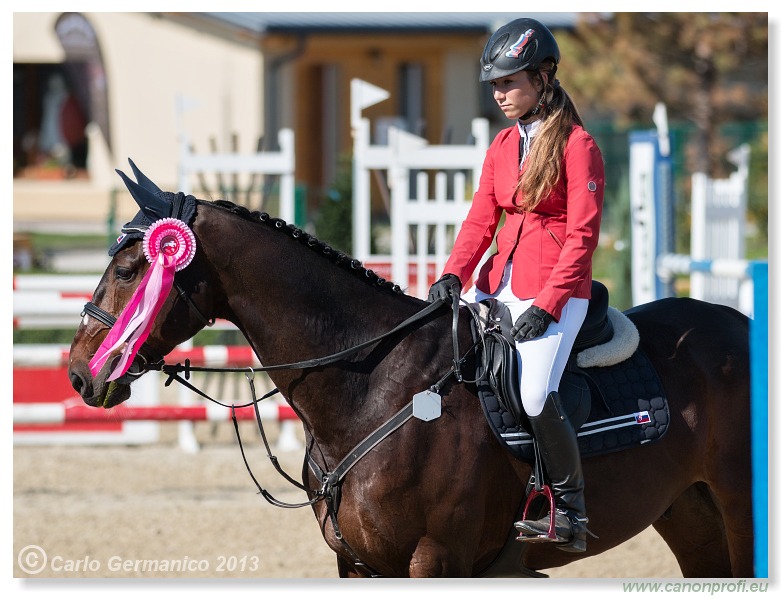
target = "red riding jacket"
x: 551, y: 246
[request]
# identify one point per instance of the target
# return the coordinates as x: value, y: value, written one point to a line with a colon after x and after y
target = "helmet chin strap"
x: 543, y: 96
x: 536, y: 109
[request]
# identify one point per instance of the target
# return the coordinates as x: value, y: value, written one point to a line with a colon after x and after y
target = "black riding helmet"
x: 521, y: 45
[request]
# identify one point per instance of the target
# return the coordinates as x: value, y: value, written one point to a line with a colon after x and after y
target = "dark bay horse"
x: 438, y: 498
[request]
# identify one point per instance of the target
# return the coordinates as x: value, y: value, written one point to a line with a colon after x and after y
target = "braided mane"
x: 337, y: 257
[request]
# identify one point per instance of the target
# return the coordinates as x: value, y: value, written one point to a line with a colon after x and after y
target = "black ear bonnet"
x: 155, y: 204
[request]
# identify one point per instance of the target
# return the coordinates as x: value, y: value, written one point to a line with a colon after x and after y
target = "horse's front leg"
x: 432, y: 559
x: 347, y: 568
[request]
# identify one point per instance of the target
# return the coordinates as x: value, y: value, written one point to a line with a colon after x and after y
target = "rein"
x: 158, y: 364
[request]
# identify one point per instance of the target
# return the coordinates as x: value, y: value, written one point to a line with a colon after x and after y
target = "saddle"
x: 616, y: 405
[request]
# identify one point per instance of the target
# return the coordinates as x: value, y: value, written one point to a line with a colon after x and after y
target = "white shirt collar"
x: 531, y: 129
x: 527, y: 133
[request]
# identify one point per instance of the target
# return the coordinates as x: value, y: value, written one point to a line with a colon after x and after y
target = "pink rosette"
x: 173, y: 238
x: 169, y: 245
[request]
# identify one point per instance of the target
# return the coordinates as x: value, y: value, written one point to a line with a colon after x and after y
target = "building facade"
x: 92, y: 89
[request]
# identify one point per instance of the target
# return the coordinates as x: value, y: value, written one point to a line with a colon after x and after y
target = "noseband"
x: 147, y: 359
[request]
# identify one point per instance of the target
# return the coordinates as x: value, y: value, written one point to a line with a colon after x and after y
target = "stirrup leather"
x: 540, y: 489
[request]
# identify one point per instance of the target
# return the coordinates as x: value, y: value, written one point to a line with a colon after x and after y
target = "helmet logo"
x: 516, y: 49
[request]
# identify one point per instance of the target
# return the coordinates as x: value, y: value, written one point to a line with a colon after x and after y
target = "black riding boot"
x: 558, y: 447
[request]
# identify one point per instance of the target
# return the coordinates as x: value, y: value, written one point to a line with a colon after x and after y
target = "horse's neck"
x: 294, y: 305
x: 289, y: 319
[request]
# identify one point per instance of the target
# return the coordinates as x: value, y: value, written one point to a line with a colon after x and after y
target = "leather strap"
x: 332, y: 481
x: 149, y: 355
x: 183, y: 295
x: 456, y: 300
x: 369, y: 442
x: 109, y: 320
x: 332, y: 358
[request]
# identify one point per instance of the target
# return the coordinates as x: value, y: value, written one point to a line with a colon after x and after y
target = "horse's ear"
x: 142, y: 179
x: 150, y: 203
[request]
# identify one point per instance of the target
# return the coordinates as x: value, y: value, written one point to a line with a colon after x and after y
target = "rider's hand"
x: 444, y: 288
x: 531, y: 324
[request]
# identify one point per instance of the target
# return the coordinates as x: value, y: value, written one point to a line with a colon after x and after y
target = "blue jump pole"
x: 759, y: 417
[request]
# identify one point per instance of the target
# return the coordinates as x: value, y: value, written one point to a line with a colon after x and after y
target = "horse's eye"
x: 123, y: 273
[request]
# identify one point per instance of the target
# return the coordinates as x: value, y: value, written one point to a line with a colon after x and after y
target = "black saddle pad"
x: 628, y: 408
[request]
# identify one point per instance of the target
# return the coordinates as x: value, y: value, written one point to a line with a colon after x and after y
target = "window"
x: 411, y: 97
x: 49, y: 137
x: 54, y: 102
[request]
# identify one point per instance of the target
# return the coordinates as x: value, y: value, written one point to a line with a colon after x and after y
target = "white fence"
x: 56, y: 301
x: 425, y: 212
x: 249, y: 167
x: 668, y: 266
x: 719, y: 230
x: 716, y: 266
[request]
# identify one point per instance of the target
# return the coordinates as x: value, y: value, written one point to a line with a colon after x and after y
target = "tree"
x: 334, y: 221
x: 708, y: 68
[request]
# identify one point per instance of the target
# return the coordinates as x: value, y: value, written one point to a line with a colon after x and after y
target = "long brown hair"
x: 543, y: 166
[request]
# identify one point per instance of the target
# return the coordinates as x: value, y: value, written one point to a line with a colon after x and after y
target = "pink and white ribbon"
x: 169, y: 245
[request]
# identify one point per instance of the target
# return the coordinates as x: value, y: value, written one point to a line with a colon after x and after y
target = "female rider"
x: 546, y: 173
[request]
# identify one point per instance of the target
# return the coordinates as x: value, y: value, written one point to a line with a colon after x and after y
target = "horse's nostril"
x: 77, y: 381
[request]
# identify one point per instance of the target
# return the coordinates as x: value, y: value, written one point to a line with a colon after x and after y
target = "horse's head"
x: 181, y: 307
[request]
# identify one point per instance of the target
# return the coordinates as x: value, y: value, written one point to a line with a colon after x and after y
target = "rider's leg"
x: 542, y: 364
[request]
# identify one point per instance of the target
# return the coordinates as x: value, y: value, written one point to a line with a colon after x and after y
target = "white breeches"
x: 541, y: 360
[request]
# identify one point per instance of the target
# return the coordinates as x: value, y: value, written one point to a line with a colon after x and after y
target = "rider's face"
x: 516, y: 94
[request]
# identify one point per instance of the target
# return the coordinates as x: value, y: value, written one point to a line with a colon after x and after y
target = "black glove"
x: 531, y: 324
x: 444, y: 289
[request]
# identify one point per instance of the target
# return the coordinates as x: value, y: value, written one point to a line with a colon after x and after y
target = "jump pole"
x: 56, y: 413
